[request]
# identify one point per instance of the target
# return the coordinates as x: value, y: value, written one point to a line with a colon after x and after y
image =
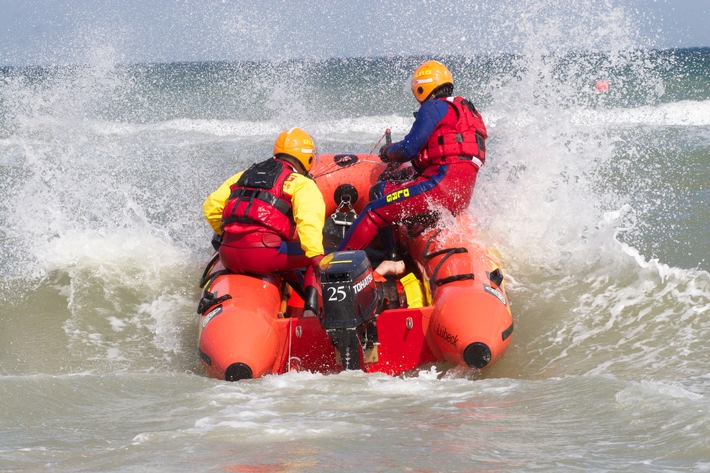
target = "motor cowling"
x: 350, y: 296
x: 351, y: 300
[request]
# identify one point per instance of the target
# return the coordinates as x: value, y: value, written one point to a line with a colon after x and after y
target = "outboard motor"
x: 351, y: 301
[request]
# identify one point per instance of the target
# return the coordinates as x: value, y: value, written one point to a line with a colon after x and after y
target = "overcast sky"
x: 73, y: 31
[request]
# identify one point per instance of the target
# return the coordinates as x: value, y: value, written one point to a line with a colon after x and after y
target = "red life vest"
x: 257, y: 198
x: 466, y: 140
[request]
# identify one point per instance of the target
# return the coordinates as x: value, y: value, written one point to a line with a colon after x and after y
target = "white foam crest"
x: 111, y: 252
x: 681, y: 113
x: 314, y: 409
x: 351, y: 129
x: 167, y: 315
x: 651, y: 397
x: 255, y: 409
x: 632, y: 316
x: 366, y: 125
x: 121, y: 288
x: 222, y: 128
x: 213, y: 128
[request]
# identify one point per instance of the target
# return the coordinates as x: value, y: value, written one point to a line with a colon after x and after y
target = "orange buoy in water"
x: 601, y: 85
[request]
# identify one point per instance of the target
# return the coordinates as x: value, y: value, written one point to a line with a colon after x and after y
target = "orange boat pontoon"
x: 448, y: 305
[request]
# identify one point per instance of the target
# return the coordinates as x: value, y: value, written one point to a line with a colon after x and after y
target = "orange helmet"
x: 297, y: 143
x: 428, y: 77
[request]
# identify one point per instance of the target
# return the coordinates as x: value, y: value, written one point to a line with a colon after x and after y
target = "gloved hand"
x: 397, y: 172
x: 383, y: 153
x: 315, y: 261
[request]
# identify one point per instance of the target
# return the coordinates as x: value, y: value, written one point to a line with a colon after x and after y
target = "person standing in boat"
x: 446, y: 146
x: 270, y: 217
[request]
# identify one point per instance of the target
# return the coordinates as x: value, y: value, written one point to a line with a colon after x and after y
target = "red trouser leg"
x: 449, y: 187
x: 261, y: 260
x: 363, y: 231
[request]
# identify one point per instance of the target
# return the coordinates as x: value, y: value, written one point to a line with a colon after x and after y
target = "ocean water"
x: 597, y: 202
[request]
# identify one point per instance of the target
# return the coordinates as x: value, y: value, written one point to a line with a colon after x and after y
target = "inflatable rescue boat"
x: 446, y: 303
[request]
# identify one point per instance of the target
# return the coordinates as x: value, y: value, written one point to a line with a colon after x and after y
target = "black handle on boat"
x: 388, y: 173
x: 388, y: 140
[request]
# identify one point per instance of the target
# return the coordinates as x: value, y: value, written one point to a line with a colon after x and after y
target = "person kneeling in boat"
x: 446, y: 147
x: 270, y: 217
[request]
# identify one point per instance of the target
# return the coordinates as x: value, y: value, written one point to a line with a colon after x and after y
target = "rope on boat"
x: 334, y: 167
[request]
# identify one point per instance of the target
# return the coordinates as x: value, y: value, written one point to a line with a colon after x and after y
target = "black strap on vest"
x: 459, y: 139
x: 263, y: 175
x: 470, y: 106
x: 248, y: 194
x: 481, y: 141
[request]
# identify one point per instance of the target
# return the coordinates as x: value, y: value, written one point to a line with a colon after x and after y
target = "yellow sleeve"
x: 214, y: 204
x: 308, y: 212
